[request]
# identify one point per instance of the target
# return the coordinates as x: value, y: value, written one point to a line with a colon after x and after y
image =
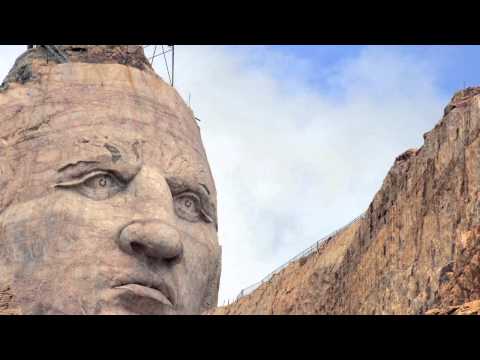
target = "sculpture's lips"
x: 159, y: 292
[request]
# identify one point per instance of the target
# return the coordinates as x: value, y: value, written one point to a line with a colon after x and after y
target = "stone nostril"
x: 138, y: 248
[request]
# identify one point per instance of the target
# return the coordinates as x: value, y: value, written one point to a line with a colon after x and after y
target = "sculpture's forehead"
x: 170, y: 155
x: 79, y: 111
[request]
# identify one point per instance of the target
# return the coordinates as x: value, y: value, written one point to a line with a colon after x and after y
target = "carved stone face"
x: 107, y: 201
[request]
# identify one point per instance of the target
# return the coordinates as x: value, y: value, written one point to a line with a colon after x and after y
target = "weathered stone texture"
x: 470, y: 308
x: 29, y: 62
x: 7, y: 303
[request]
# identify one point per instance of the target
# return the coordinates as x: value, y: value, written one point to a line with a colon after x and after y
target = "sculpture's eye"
x: 188, y: 206
x: 99, y: 185
x: 191, y: 201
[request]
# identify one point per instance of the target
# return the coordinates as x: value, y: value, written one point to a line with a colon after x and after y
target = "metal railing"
x: 314, y: 248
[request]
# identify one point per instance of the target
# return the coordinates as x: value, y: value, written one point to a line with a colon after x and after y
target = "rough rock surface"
x: 418, y: 245
x: 26, y: 65
x: 107, y: 202
x: 7, y: 305
x: 470, y: 308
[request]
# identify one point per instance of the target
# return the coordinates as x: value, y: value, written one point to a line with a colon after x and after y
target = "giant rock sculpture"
x: 107, y: 201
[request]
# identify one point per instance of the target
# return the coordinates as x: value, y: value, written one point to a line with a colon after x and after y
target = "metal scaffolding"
x: 170, y: 49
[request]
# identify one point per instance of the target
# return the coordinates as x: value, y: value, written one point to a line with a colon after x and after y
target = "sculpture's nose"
x: 154, y: 239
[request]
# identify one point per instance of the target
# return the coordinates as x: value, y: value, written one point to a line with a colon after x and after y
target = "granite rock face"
x: 470, y: 308
x: 107, y: 202
x: 6, y: 303
x: 417, y: 247
x: 131, y: 55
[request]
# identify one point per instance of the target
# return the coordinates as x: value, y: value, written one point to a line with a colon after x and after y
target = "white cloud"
x: 8, y: 55
x: 293, y: 162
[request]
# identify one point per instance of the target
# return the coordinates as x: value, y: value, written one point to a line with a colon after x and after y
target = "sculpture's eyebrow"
x: 124, y: 170
x: 178, y: 185
x: 77, y: 165
x: 206, y: 188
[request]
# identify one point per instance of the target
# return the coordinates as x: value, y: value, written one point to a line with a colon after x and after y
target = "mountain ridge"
x: 416, y: 249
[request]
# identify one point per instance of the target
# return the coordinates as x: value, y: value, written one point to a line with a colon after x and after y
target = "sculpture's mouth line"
x: 160, y: 292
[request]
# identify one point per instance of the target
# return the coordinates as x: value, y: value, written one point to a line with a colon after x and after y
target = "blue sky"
x: 300, y: 138
x: 454, y: 65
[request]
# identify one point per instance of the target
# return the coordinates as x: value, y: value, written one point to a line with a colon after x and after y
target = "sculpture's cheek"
x: 64, y: 247
x: 55, y: 246
x: 197, y: 270
x: 57, y: 223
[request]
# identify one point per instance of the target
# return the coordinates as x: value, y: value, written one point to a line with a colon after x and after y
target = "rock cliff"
x: 470, y: 308
x: 418, y: 246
